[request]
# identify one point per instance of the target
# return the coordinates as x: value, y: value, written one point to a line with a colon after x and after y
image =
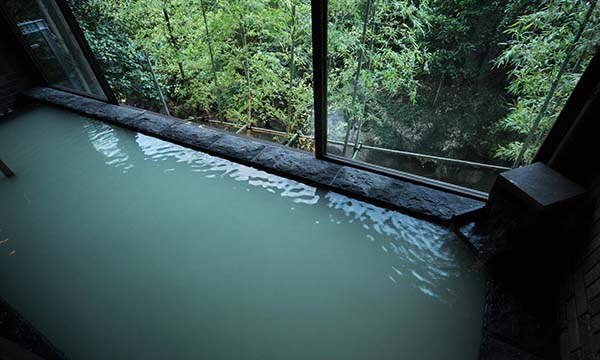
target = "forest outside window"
x: 244, y: 66
x: 456, y: 91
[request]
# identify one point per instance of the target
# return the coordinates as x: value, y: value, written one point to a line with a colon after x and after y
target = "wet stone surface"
x: 477, y: 235
x: 77, y: 103
x: 493, y: 348
x: 298, y: 163
x: 234, y: 147
x: 197, y: 136
x: 152, y: 123
x: 418, y: 200
x: 518, y: 322
x: 118, y: 114
x: 404, y: 195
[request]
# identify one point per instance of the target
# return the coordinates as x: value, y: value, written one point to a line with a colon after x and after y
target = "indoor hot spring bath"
x: 118, y: 245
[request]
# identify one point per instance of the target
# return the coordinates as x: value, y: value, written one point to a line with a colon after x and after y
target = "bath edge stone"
x: 414, y: 199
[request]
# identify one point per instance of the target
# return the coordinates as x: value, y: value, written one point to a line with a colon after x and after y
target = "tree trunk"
x: 364, y: 108
x: 437, y: 93
x: 292, y: 68
x: 357, y: 76
x: 246, y: 71
x: 212, y: 62
x: 172, y: 37
x: 156, y: 84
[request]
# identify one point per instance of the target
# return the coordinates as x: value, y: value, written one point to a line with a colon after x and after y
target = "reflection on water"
x: 106, y: 142
x: 158, y: 150
x: 417, y: 244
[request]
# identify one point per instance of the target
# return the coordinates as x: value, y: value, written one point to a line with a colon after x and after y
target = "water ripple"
x: 106, y: 142
x: 212, y: 166
x: 415, y: 244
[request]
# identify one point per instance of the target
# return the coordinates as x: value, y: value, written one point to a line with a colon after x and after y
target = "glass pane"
x: 53, y: 45
x: 226, y: 63
x: 453, y: 90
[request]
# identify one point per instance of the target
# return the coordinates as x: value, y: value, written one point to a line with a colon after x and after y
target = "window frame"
x: 83, y: 45
x: 319, y: 17
x: 584, y: 90
x: 320, y: 62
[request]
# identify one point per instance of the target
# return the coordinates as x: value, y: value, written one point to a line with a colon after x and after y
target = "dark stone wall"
x: 575, y: 155
x: 17, y: 73
x: 545, y: 298
x: 579, y: 303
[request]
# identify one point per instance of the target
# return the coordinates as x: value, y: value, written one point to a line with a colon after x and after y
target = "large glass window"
x: 245, y: 66
x: 53, y: 45
x: 452, y: 90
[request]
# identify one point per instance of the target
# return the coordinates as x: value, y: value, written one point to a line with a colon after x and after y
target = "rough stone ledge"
x: 236, y: 147
x: 300, y: 164
x: 417, y: 200
x: 477, y: 235
x: 407, y: 196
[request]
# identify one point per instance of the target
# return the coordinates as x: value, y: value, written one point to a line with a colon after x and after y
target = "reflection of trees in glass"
x: 457, y: 78
x: 52, y: 44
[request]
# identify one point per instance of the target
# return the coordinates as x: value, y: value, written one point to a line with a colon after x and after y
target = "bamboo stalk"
x: 363, y: 121
x: 212, y: 62
x: 292, y: 65
x: 173, y: 39
x: 437, y: 93
x: 156, y: 84
x: 357, y: 75
x: 356, y: 151
x: 246, y: 70
x: 292, y: 139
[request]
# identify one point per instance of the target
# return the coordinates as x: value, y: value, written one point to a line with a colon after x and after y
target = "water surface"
x: 123, y: 246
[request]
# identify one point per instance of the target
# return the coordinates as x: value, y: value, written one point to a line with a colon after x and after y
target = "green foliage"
x: 391, y: 56
x: 120, y: 58
x: 539, y: 43
x: 457, y: 78
x: 448, y: 94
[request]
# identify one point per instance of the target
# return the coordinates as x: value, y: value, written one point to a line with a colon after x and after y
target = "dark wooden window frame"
x: 574, y: 105
x: 584, y: 89
x: 73, y: 25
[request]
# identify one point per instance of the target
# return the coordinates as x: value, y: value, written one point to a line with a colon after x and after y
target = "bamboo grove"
x: 467, y: 79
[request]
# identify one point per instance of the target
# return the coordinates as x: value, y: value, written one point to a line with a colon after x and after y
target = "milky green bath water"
x: 122, y: 246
